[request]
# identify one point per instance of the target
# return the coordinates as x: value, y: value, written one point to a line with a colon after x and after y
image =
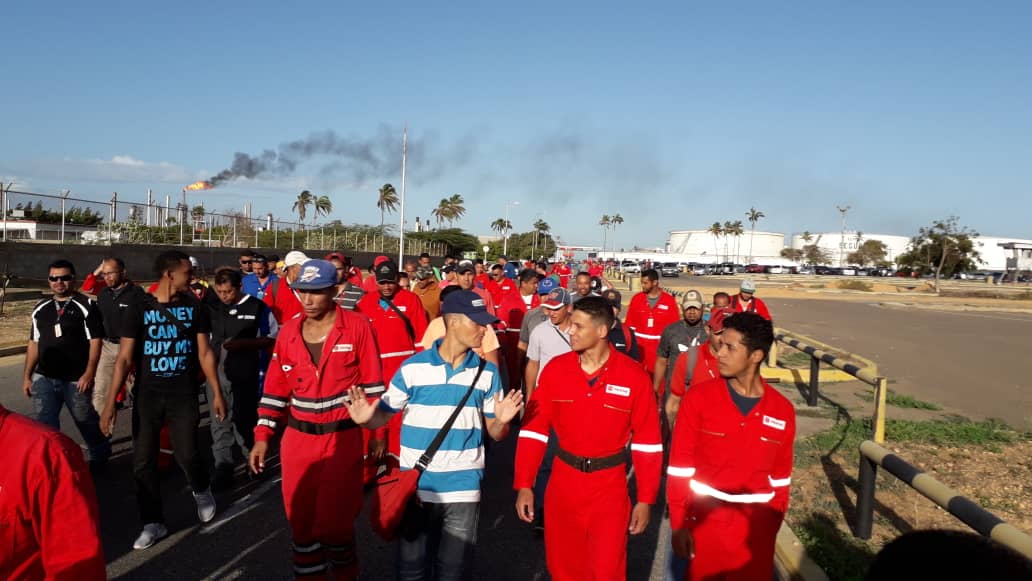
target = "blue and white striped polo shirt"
x: 427, y: 388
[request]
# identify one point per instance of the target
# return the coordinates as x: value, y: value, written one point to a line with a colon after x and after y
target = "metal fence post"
x: 880, y: 394
x: 815, y: 378
x: 865, y: 499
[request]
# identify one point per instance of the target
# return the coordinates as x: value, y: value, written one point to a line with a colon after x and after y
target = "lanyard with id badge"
x: 60, y: 313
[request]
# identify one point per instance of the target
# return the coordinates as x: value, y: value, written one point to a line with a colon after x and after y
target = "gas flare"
x: 201, y: 185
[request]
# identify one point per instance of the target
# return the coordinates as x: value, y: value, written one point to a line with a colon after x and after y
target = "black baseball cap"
x: 387, y: 271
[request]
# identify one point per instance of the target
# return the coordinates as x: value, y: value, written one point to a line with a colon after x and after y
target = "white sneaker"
x: 205, y: 505
x: 151, y: 534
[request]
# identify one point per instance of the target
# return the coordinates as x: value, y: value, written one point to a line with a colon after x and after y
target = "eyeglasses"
x: 62, y: 278
x: 246, y: 261
x: 111, y: 273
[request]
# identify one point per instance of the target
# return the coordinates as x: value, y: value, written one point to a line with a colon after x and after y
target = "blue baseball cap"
x: 316, y: 275
x: 547, y: 285
x: 469, y: 303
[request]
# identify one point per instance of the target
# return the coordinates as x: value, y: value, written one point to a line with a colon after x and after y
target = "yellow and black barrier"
x: 967, y: 511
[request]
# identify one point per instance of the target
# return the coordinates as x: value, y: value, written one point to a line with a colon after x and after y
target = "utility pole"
x: 842, y: 236
x: 505, y: 242
x: 401, y: 217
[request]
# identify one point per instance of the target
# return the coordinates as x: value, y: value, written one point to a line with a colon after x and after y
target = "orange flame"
x: 201, y: 185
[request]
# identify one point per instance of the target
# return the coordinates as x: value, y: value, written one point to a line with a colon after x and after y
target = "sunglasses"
x: 246, y: 261
x: 62, y: 278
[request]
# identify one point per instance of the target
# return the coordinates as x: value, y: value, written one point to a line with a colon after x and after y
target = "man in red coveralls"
x: 731, y: 462
x: 562, y: 270
x: 596, y: 399
x: 747, y: 302
x: 318, y: 357
x: 511, y: 310
x: 399, y: 321
x: 287, y: 303
x: 697, y: 365
x: 49, y: 522
x: 649, y: 313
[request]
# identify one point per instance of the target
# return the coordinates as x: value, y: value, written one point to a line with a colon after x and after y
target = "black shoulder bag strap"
x: 428, y: 455
x: 408, y: 323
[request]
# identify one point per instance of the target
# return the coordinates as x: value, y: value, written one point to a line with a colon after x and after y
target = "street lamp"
x: 485, y: 248
x: 505, y: 242
x: 64, y: 196
x: 842, y: 236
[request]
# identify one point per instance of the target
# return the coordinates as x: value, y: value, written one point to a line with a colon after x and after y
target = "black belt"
x: 586, y: 464
x: 115, y: 340
x: 320, y: 429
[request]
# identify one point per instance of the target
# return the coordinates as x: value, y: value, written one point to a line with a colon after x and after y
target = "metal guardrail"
x: 967, y: 511
x: 817, y: 356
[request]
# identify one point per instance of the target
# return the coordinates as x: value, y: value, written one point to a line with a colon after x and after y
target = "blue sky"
x: 674, y: 115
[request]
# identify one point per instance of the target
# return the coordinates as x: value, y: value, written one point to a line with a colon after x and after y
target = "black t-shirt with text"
x: 166, y: 357
x: 63, y: 330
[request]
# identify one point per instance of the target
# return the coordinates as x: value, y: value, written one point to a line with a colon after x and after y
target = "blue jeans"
x: 440, y: 546
x: 49, y: 395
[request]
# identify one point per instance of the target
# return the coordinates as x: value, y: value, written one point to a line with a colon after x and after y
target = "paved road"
x: 976, y: 363
x: 249, y: 538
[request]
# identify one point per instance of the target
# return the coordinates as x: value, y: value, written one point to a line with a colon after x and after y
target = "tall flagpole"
x: 401, y: 226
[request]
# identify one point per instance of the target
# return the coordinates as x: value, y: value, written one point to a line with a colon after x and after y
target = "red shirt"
x: 392, y: 335
x: 286, y: 305
x: 564, y: 273
x: 49, y: 520
x: 93, y: 284
x: 756, y: 305
x: 317, y: 393
x: 506, y: 286
x: 717, y: 453
x: 706, y: 368
x: 596, y: 270
x: 648, y: 323
x: 511, y: 311
x: 593, y: 421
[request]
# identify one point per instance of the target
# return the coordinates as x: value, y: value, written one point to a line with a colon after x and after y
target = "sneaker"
x: 151, y: 534
x: 205, y: 505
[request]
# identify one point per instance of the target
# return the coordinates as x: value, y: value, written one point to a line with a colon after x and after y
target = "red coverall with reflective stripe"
x: 285, y: 304
x: 754, y: 305
x: 511, y: 311
x: 49, y: 522
x: 728, y: 479
x: 395, y: 344
x: 648, y: 323
x: 322, y: 474
x: 588, y: 514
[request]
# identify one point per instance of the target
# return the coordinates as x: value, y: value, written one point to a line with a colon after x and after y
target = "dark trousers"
x: 439, y: 547
x: 150, y: 412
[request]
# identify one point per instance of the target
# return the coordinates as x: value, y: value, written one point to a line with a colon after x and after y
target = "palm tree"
x: 754, y: 217
x: 442, y: 212
x: 322, y: 206
x: 304, y: 199
x: 605, y: 222
x: 716, y: 230
x: 737, y: 229
x: 501, y: 225
x: 387, y: 201
x: 540, y: 228
x: 456, y: 208
x: 728, y: 227
x: 613, y: 223
x: 807, y: 237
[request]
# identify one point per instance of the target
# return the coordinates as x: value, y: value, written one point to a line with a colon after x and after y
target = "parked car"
x: 727, y: 268
x: 630, y: 266
x: 754, y: 268
x: 774, y: 269
x: 697, y: 269
x: 847, y: 271
x: 669, y: 269
x: 802, y: 270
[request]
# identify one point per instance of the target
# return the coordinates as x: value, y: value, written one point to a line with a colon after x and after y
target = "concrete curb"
x: 791, y: 562
x: 13, y: 350
x: 787, y: 375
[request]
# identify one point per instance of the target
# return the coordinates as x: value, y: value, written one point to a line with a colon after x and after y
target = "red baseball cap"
x: 716, y: 318
x: 380, y: 260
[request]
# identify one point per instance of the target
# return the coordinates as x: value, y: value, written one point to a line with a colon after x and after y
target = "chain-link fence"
x: 62, y: 219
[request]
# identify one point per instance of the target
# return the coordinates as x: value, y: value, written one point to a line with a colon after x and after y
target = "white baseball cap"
x: 295, y: 258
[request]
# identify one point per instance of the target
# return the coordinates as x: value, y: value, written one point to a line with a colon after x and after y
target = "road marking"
x: 241, y: 506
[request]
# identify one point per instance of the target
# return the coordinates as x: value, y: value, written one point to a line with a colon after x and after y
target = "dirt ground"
x: 14, y: 322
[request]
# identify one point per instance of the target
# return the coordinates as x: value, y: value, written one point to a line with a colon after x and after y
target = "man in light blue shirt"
x: 429, y: 385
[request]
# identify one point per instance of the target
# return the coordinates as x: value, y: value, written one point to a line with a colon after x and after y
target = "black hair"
x: 425, y: 255
x: 717, y: 295
x: 246, y: 252
x: 260, y: 258
x: 478, y: 261
x: 598, y: 308
x: 651, y: 274
x: 497, y: 266
x: 273, y: 258
x: 448, y: 290
x: 62, y: 263
x: 582, y: 273
x: 168, y: 260
x: 757, y: 332
x: 230, y: 275
x: 527, y: 275
x: 449, y: 257
x: 402, y: 274
x: 118, y: 262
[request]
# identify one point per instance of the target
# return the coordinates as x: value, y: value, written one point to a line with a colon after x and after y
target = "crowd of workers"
x: 352, y: 376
